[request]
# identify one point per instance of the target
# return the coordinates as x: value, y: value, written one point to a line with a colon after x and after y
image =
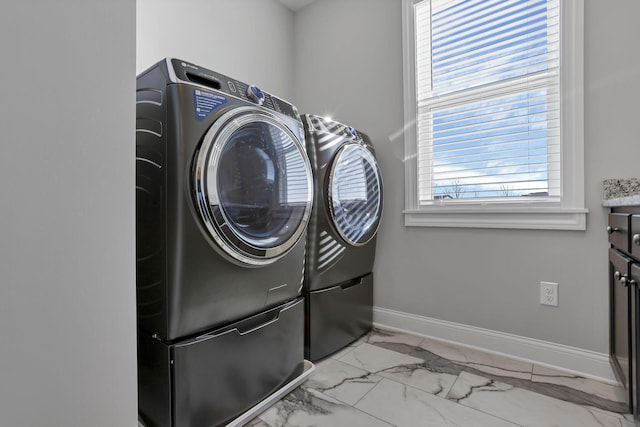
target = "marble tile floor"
x: 393, y: 379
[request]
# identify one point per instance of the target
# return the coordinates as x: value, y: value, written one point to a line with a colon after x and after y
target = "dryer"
x: 224, y: 194
x: 338, y: 282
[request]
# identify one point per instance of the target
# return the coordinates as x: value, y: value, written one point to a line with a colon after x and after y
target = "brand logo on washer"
x: 184, y: 64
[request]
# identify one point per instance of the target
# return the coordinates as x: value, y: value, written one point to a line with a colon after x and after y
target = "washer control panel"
x: 191, y: 73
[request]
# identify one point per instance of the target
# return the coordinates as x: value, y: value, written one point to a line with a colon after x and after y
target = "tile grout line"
x: 443, y: 398
x: 479, y: 410
x: 328, y: 398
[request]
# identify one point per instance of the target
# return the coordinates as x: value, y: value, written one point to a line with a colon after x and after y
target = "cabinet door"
x: 634, y: 331
x: 620, y: 312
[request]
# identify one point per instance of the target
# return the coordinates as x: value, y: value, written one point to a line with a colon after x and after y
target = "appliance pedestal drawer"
x: 213, y: 378
x: 337, y: 316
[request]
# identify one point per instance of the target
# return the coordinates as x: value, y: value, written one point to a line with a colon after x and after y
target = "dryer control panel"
x: 191, y: 73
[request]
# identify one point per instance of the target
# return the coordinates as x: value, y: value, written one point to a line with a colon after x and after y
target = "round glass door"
x: 355, y: 194
x: 254, y: 186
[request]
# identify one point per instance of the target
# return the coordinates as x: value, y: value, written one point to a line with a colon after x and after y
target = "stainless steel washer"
x: 224, y: 194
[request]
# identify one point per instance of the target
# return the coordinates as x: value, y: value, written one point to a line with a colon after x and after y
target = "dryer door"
x: 253, y: 186
x: 355, y: 194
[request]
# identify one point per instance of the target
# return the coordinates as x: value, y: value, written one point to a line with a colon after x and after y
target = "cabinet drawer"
x: 634, y: 236
x: 620, y: 264
x: 618, y: 230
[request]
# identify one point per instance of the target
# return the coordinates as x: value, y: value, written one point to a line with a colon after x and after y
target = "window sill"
x: 508, y: 218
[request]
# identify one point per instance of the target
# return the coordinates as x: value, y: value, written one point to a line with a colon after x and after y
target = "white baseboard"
x: 573, y: 360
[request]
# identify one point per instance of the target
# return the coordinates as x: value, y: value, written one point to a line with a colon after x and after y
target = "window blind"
x: 488, y: 99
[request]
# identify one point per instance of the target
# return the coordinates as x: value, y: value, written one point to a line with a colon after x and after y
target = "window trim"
x: 567, y: 214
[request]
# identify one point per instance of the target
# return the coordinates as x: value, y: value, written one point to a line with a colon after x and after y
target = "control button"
x: 232, y: 87
x: 255, y: 94
x: 353, y: 132
x: 276, y: 104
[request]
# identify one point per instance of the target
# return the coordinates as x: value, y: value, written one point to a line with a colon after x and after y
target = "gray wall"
x: 67, y: 257
x: 484, y: 278
x: 250, y: 40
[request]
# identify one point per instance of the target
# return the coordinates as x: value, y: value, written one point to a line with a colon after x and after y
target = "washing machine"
x: 224, y: 195
x: 338, y: 282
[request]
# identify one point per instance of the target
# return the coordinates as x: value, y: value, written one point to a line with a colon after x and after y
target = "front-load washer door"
x: 355, y: 194
x: 253, y: 185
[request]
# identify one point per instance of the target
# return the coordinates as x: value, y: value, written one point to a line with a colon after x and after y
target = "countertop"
x: 621, y: 192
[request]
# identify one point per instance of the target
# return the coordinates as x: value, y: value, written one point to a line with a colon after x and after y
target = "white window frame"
x: 567, y: 214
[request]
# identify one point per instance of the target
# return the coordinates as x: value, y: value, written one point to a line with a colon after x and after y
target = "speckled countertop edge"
x: 621, y: 192
x: 622, y: 201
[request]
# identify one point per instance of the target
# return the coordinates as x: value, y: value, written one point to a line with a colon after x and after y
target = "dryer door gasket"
x: 354, y: 191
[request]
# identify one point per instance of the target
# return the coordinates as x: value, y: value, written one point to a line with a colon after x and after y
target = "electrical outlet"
x: 549, y: 293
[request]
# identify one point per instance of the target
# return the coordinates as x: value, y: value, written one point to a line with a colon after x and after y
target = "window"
x: 493, y: 111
